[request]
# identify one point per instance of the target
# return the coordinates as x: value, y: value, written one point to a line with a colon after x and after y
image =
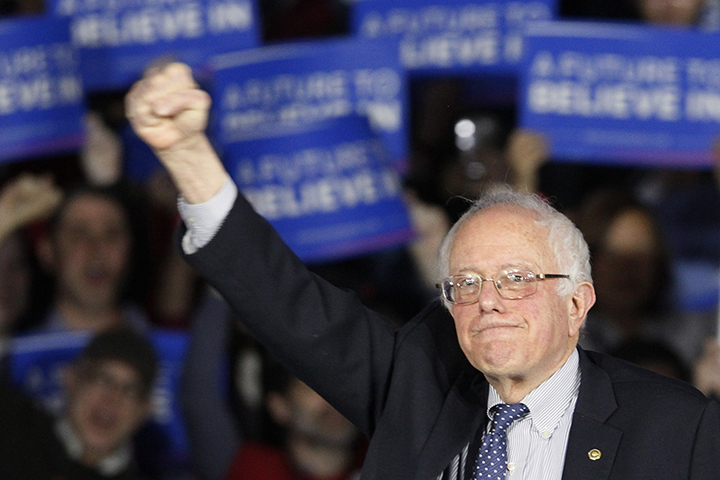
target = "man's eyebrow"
x: 504, y: 266
x: 519, y: 264
x: 465, y: 270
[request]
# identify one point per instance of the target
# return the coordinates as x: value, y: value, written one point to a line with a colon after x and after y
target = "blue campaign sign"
x: 330, y: 190
x: 119, y: 39
x: 283, y: 88
x: 453, y: 36
x: 41, y: 93
x: 37, y: 362
x: 618, y: 93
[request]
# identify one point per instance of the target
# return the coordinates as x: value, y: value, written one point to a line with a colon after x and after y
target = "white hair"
x: 564, y: 238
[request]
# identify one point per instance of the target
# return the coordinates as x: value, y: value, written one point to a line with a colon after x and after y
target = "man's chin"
x: 101, y: 447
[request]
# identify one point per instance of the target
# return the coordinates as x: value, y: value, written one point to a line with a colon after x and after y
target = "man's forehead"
x: 92, y: 209
x: 116, y: 366
x: 510, y: 220
x: 511, y: 233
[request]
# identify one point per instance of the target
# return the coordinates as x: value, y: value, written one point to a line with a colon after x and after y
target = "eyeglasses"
x: 510, y: 284
x: 99, y: 378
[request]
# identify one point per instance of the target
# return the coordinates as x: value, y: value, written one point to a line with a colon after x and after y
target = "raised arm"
x: 26, y: 199
x: 323, y: 334
x: 169, y: 112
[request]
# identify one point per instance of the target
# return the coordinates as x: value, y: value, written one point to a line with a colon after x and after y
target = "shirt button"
x: 511, y: 466
x: 191, y: 220
x: 546, y: 433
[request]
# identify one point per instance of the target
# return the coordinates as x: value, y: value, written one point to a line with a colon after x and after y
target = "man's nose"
x: 488, y: 298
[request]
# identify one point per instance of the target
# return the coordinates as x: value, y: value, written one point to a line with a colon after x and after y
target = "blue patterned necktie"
x: 492, y: 458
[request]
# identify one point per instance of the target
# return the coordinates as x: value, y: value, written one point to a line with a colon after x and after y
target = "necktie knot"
x: 492, y: 457
x: 504, y: 414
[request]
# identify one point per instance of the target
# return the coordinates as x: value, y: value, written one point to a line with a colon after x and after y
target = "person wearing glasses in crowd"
x: 107, y: 399
x: 489, y: 375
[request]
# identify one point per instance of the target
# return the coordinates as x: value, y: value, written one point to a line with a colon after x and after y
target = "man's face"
x: 524, y: 340
x: 106, y: 405
x: 626, y: 267
x: 92, y: 251
x: 307, y: 415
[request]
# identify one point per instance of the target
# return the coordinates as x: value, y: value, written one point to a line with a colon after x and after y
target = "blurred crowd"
x: 85, y: 248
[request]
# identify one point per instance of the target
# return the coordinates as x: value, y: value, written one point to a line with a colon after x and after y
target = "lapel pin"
x: 594, y: 454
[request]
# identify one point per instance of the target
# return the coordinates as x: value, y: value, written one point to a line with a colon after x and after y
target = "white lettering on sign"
x: 606, y: 67
x: 230, y: 16
x: 149, y: 23
x: 450, y: 49
x: 323, y: 195
x: 39, y: 93
x: 286, y: 88
x: 144, y: 26
x: 619, y: 101
x: 291, y: 100
x: 606, y: 85
x: 39, y: 78
x: 431, y: 19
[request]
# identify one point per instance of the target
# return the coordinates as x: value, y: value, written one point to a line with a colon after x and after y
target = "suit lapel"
x: 463, y: 412
x: 592, y: 445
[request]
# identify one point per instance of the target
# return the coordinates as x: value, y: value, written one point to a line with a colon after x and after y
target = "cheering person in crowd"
x: 23, y: 200
x: 93, y: 251
x: 315, y: 441
x: 107, y: 391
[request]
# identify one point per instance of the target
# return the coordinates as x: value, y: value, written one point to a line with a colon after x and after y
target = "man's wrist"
x: 195, y: 169
x: 203, y: 220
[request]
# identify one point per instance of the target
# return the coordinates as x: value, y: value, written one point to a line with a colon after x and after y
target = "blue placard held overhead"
x: 457, y: 36
x: 119, y: 39
x: 41, y: 92
x: 281, y: 89
x: 330, y: 190
x: 618, y: 93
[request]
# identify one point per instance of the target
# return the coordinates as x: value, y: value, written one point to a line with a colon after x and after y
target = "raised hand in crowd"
x: 525, y: 153
x: 101, y: 155
x: 26, y: 199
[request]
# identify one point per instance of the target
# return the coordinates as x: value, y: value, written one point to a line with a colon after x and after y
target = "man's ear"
x: 579, y: 305
x: 278, y: 408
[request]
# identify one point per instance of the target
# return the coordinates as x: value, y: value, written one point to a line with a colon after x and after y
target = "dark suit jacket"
x: 413, y: 392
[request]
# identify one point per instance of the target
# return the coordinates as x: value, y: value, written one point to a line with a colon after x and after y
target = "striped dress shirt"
x: 537, y: 442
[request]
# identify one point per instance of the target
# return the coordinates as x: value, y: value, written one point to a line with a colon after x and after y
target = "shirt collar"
x: 113, y: 464
x: 551, y: 399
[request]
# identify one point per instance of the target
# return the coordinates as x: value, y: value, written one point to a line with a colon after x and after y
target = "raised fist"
x: 167, y: 109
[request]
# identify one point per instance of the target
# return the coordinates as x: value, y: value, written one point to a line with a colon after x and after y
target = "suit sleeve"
x: 321, y: 333
x: 706, y: 452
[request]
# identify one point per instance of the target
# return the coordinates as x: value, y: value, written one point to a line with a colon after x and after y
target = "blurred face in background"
x: 670, y: 12
x: 14, y: 282
x: 91, y: 252
x: 306, y: 415
x: 627, y: 264
x: 106, y: 405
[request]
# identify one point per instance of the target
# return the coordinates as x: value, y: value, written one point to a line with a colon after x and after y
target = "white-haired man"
x: 497, y: 389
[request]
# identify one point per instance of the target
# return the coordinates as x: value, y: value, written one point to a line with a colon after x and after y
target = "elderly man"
x: 501, y: 392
